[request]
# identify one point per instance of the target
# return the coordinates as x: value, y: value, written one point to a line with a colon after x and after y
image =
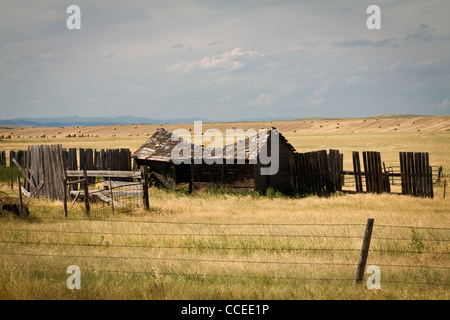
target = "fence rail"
x: 113, y: 193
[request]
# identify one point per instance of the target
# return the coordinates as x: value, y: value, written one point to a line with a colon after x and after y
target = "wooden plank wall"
x: 45, y: 164
x: 233, y: 176
x: 19, y: 155
x: 45, y: 169
x: 377, y: 179
x: 416, y: 174
x: 317, y: 171
x: 112, y: 159
x: 71, y: 163
x: 92, y: 159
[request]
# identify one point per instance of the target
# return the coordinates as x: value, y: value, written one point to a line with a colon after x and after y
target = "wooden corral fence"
x: 317, y: 171
x: 43, y: 167
x: 82, y: 159
x: 3, y: 158
x: 416, y: 174
x: 20, y: 157
x: 110, y: 192
x: 43, y: 170
x: 395, y: 174
x: 375, y: 174
x: 321, y: 172
x: 104, y: 159
x: 93, y: 159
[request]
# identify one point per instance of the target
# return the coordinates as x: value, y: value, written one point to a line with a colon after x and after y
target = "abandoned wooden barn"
x: 243, y: 164
x: 156, y: 154
x: 238, y: 166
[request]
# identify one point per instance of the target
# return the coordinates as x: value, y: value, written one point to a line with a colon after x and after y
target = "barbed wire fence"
x: 159, y: 242
x: 106, y: 194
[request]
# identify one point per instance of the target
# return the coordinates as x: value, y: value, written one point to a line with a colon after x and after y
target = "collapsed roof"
x: 160, y: 145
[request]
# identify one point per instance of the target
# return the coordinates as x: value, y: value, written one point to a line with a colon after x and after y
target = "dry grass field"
x: 216, y: 245
x: 387, y: 135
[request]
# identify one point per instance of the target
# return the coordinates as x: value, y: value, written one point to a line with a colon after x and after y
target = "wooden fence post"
x: 439, y: 173
x: 445, y: 186
x: 65, y: 195
x: 357, y: 172
x: 86, y: 192
x: 144, y: 180
x: 20, y: 197
x: 111, y: 195
x: 364, y: 251
x: 12, y: 180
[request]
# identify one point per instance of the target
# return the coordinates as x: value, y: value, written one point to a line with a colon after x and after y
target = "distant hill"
x: 86, y: 121
x: 106, y: 121
x: 376, y: 124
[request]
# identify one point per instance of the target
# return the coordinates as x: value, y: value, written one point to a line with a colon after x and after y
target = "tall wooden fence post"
x: 357, y: 172
x: 20, y: 197
x: 445, y: 186
x: 65, y: 195
x: 144, y: 180
x: 111, y: 195
x: 364, y: 251
x: 86, y: 192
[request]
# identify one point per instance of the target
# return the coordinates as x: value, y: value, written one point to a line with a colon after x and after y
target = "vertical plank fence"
x: 317, y: 171
x: 377, y: 179
x: 357, y: 172
x: 3, y: 158
x: 416, y: 174
x: 19, y: 155
x: 43, y: 170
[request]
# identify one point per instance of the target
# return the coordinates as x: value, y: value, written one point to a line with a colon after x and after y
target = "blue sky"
x: 224, y: 60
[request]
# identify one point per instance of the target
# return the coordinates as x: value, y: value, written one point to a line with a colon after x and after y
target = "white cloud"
x: 263, y: 99
x: 226, y: 62
x: 175, y: 67
x: 444, y: 104
x: 317, y: 98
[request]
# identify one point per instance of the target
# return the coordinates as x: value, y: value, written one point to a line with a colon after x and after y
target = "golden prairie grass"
x: 220, y: 246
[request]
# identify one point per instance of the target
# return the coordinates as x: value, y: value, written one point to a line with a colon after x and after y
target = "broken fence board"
x: 102, y: 173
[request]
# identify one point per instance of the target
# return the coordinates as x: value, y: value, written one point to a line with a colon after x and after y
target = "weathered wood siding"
x: 282, y: 180
x: 234, y: 176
